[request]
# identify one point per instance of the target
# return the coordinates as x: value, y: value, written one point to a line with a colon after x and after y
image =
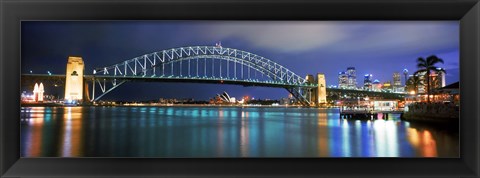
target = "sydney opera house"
x: 225, y: 97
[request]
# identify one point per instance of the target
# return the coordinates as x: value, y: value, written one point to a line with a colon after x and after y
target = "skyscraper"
x: 397, y: 82
x: 342, y: 80
x: 367, y: 82
x: 405, y: 73
x: 352, y: 78
x: 437, y: 80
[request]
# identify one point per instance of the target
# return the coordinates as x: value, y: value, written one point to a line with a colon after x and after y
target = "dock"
x: 367, y: 114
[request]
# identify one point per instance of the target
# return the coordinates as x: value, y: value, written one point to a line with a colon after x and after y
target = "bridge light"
x: 31, y: 71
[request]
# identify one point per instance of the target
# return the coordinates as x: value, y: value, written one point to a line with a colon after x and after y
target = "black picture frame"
x: 12, y: 12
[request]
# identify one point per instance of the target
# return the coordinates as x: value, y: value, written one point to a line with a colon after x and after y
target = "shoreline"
x: 452, y: 124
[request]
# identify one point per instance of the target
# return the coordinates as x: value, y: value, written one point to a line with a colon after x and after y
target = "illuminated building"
x: 405, y: 73
x: 342, y: 80
x: 376, y: 85
x: 437, y: 80
x: 35, y: 92
x: 38, y: 92
x: 352, y: 78
x: 224, y: 97
x: 387, y: 85
x: 74, y: 79
x: 385, y: 105
x: 397, y: 82
x: 322, y: 89
x: 367, y: 82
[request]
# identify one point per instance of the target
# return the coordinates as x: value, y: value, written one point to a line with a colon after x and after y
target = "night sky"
x: 305, y: 47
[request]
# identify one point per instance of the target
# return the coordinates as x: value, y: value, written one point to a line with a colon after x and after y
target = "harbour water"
x: 204, y: 131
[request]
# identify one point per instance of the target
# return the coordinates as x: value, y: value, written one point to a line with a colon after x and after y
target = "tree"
x: 413, y: 83
x: 427, y: 66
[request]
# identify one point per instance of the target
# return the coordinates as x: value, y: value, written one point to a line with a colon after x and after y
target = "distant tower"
x: 405, y: 73
x: 322, y: 89
x: 74, y: 79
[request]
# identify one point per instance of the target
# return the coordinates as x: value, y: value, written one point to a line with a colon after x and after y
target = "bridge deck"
x: 200, y: 80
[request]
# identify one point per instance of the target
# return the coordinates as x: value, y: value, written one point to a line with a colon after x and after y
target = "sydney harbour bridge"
x: 194, y: 64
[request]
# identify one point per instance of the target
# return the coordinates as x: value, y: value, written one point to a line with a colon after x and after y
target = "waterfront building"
x: 74, y: 79
x: 342, y: 80
x: 447, y: 94
x: 224, y: 97
x: 437, y: 80
x: 384, y: 105
x: 367, y: 82
x: 352, y: 78
x: 397, y: 82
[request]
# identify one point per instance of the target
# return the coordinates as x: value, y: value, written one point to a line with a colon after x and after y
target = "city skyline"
x: 303, y: 47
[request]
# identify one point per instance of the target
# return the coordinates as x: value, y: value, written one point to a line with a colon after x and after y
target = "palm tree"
x: 427, y: 66
x: 413, y: 83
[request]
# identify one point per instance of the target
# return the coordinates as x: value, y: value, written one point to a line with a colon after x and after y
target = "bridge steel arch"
x: 168, y: 64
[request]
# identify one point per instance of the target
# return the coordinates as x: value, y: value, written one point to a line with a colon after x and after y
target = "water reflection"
x: 223, y: 132
x: 422, y: 139
x: 71, y: 132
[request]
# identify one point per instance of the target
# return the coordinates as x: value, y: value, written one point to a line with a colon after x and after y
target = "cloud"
x: 284, y: 36
x: 341, y: 36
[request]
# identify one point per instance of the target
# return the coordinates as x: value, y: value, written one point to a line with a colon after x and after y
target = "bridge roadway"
x: 175, y: 79
x: 200, y: 80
